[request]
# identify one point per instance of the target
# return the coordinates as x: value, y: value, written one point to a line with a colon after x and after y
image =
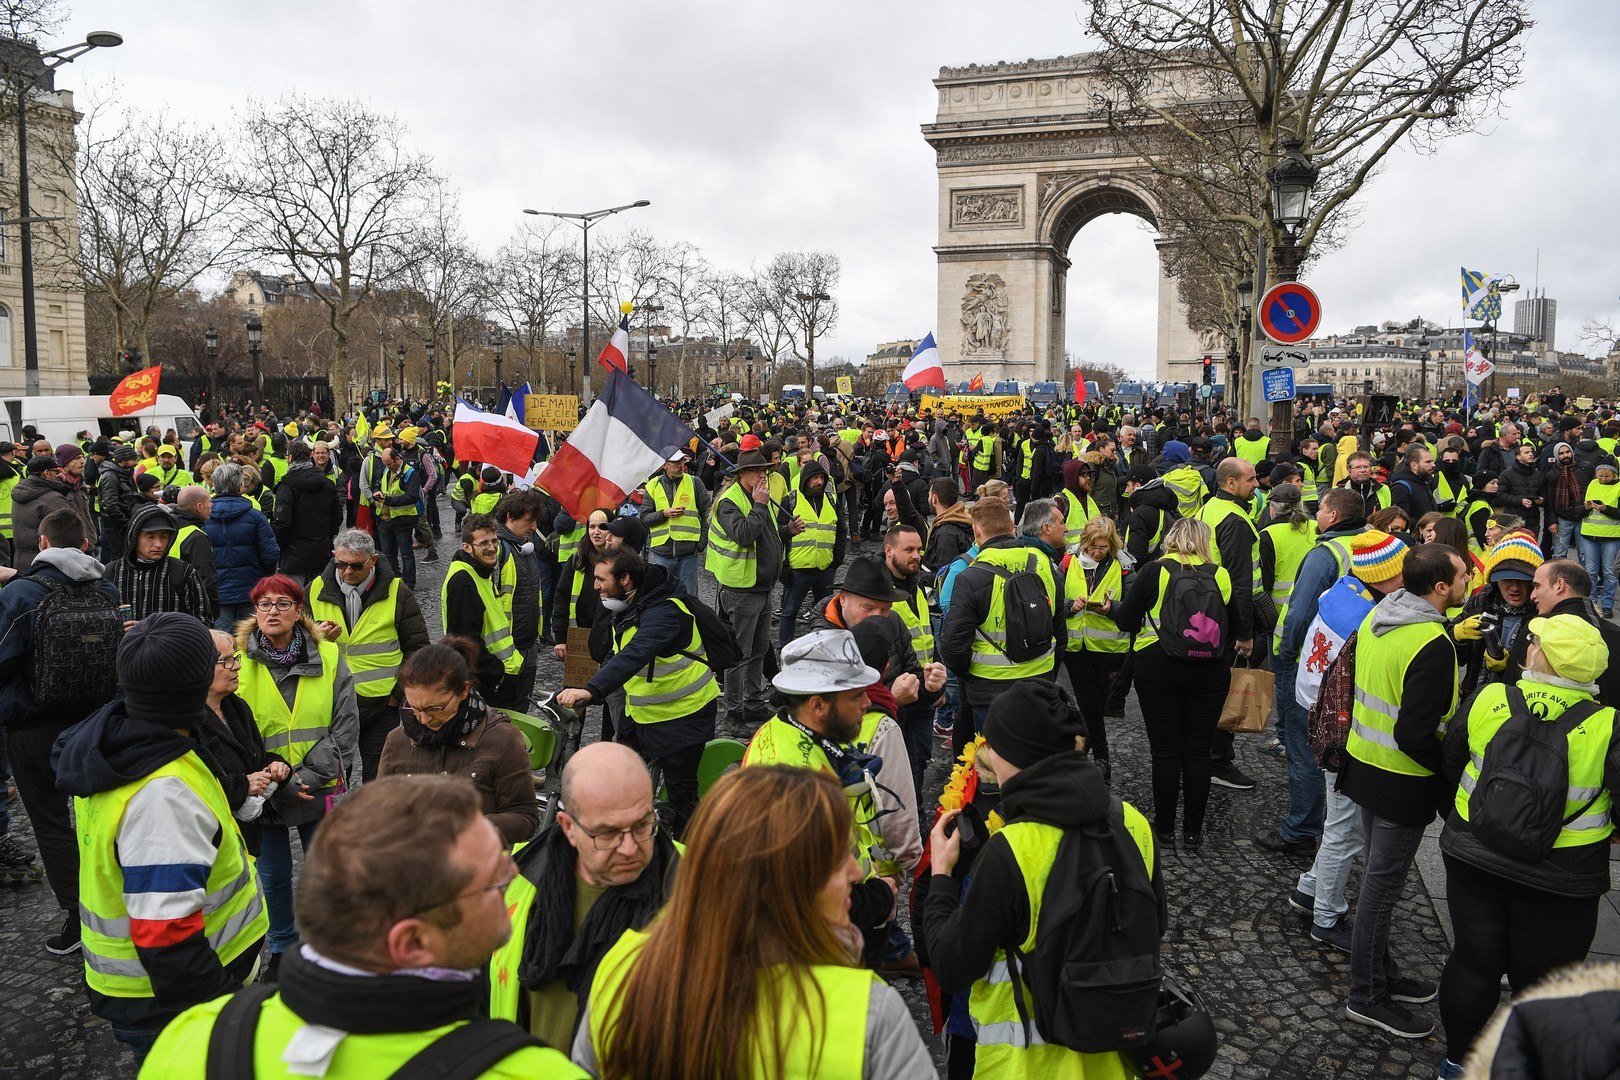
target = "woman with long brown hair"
x: 750, y: 969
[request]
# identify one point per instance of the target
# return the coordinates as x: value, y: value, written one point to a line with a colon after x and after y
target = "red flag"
x: 977, y: 382
x: 1079, y: 387
x: 136, y: 392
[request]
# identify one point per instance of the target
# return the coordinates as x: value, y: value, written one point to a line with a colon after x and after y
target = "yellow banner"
x: 551, y: 412
x: 994, y: 407
x: 846, y: 384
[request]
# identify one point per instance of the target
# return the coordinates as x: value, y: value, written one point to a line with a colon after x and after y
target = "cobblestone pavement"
x: 1278, y: 1002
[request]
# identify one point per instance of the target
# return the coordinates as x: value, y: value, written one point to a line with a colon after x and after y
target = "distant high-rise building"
x: 1536, y: 317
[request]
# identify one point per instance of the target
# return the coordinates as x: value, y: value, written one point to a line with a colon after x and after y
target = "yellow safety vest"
x: 732, y: 565
x: 1079, y: 511
x: 1188, y: 484
x: 291, y: 732
x: 1005, y: 1048
x: 1026, y: 448
x: 1595, y: 524
x: 1149, y: 634
x: 176, y: 477
x: 983, y: 444
x: 919, y: 624
x: 1291, y: 544
x: 482, y: 503
x: 1217, y: 511
x: 497, y: 625
x: 779, y: 743
x: 1444, y: 492
x: 5, y: 505
x: 371, y: 647
x: 683, y: 528
x: 1381, y: 663
x: 828, y: 1045
x: 1253, y: 451
x: 989, y: 658
x: 671, y: 686
x: 813, y: 548
x: 1588, y: 747
x: 234, y: 916
x: 1092, y: 631
x: 395, y: 485
x: 568, y: 543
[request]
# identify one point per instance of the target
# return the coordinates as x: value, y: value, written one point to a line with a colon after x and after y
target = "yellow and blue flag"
x: 1480, y: 297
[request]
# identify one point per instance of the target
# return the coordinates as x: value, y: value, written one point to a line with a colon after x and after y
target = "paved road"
x: 1277, y: 1001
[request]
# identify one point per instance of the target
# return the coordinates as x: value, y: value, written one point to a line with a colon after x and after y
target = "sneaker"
x: 1228, y: 775
x: 18, y: 865
x: 1449, y: 1070
x: 1193, y: 841
x: 1336, y: 936
x: 1164, y: 840
x: 1302, y: 902
x: 1275, y: 748
x: 1413, y: 991
x: 944, y: 731
x: 67, y: 942
x: 907, y: 967
x: 1608, y: 613
x: 1391, y: 1017
x: 430, y: 555
x: 1275, y: 841
x: 777, y: 613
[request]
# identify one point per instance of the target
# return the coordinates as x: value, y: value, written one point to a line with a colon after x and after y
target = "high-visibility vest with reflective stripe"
x: 5, y: 504
x: 671, y: 686
x: 371, y: 647
x: 1188, y: 484
x: 568, y: 543
x: 291, y: 732
x: 504, y: 580
x: 1588, y: 748
x: 1595, y: 524
x: 983, y: 445
x: 1290, y: 543
x: 776, y: 482
x: 1026, y: 448
x: 233, y: 911
x: 813, y: 548
x: 1444, y: 492
x: 1217, y: 511
x: 780, y: 743
x: 684, y: 527
x: 1308, y: 471
x: 1080, y: 510
x: 1005, y: 1047
x: 1381, y: 663
x: 919, y: 624
x: 1253, y: 451
x: 829, y: 1043
x: 497, y: 626
x: 989, y: 659
x: 732, y: 565
x: 1149, y: 633
x: 176, y: 476
x: 394, y: 484
x: 1092, y: 631
x: 482, y: 503
x: 578, y: 590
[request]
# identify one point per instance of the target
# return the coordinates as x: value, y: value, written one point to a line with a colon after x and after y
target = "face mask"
x: 614, y: 604
x: 1087, y: 561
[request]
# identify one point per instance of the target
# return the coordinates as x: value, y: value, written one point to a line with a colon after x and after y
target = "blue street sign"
x: 1278, y: 384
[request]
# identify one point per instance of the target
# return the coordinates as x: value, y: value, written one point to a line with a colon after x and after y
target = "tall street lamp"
x: 584, y: 222
x: 1291, y: 180
x: 255, y: 335
x: 497, y: 345
x: 433, y: 366
x: 24, y: 70
x: 1423, y: 371
x: 399, y: 388
x: 573, y: 384
x: 811, y: 302
x: 1245, y: 319
x: 652, y: 307
x: 748, y: 364
x: 211, y: 350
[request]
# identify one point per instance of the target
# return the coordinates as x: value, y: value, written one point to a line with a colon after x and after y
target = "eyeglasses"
x: 230, y: 662
x: 430, y: 710
x: 608, y: 839
x: 484, y: 545
x: 341, y: 565
x: 274, y: 605
x: 500, y: 886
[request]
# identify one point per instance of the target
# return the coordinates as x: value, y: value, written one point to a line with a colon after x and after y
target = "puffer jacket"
x: 309, y: 514
x: 31, y: 500
x: 1560, y: 1029
x: 245, y: 547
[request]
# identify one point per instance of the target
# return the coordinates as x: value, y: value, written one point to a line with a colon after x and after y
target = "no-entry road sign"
x: 1289, y: 312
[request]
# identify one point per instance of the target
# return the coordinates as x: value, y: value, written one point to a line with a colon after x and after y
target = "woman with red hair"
x: 302, y: 697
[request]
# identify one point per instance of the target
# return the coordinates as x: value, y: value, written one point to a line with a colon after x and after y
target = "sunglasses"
x: 342, y: 565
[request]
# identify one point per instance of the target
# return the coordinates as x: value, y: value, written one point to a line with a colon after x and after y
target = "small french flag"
x: 925, y: 369
x: 616, y: 354
x: 518, y: 403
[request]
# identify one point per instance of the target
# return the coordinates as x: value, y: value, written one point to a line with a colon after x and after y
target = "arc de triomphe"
x: 1024, y: 163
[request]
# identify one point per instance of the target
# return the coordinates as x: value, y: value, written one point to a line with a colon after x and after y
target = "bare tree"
x: 331, y: 190
x: 153, y: 205
x: 1601, y: 333
x: 533, y: 282
x: 444, y: 277
x: 805, y: 284
x: 763, y: 313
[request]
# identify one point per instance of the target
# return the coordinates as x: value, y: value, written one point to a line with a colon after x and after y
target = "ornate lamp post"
x: 1245, y: 329
x: 211, y: 350
x: 1291, y: 180
x: 255, y: 336
x: 652, y: 307
x: 497, y: 345
x: 433, y: 366
x: 400, y: 355
x: 1423, y: 371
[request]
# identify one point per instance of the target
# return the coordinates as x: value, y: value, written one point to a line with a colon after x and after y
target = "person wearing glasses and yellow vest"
x: 745, y: 557
x: 172, y: 912
x: 1093, y: 584
x: 815, y: 552
x: 470, y: 602
x: 1527, y: 889
x: 671, y: 693
x: 1405, y: 694
x: 407, y: 896
x: 1236, y: 547
x: 1033, y: 740
x: 359, y: 603
x: 676, y: 514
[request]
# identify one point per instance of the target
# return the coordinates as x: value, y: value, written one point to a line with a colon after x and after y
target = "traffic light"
x: 132, y: 359
x: 1209, y: 370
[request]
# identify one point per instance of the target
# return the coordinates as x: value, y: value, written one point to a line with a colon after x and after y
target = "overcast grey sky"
x: 756, y: 128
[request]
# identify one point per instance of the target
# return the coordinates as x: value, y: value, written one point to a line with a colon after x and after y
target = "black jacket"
x: 1153, y: 510
x: 526, y: 600
x: 970, y: 606
x: 233, y: 748
x: 1235, y: 540
x: 198, y: 550
x: 1412, y: 495
x: 1518, y: 483
x: 115, y: 486
x: 464, y: 614
x: 309, y: 513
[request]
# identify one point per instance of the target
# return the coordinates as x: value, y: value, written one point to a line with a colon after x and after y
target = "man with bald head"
x: 192, y: 508
x: 606, y: 868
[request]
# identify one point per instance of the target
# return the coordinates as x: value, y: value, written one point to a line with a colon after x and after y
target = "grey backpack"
x: 71, y: 657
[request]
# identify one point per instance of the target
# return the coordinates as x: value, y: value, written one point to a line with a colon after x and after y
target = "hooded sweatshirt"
x: 1153, y: 509
x: 161, y: 584
x: 1425, y: 702
x: 950, y: 535
x: 818, y: 500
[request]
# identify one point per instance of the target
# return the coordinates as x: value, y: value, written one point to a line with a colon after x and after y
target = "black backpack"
x: 1054, y: 463
x: 71, y: 658
x: 1029, y: 611
x: 1192, y: 612
x: 1517, y: 805
x: 1095, y: 971
x: 720, y: 649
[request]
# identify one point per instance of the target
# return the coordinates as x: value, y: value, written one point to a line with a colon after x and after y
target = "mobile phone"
x: 960, y: 824
x: 126, y: 613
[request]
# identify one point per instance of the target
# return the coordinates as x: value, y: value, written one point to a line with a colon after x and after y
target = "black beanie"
x: 166, y: 665
x: 1031, y: 720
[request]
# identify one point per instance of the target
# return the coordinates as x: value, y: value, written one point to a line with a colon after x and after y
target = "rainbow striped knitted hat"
x: 1514, y: 558
x: 1377, y: 556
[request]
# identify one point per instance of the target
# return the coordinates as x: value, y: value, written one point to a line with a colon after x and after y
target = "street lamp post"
x: 652, y: 307
x: 573, y: 378
x: 255, y: 336
x: 584, y: 222
x: 433, y: 366
x: 23, y: 73
x: 1291, y: 180
x: 1423, y: 372
x: 1245, y: 320
x: 211, y: 350
x: 812, y: 302
x: 748, y: 364
x: 497, y: 345
x: 399, y: 354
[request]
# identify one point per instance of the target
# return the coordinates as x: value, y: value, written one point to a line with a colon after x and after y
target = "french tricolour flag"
x: 493, y: 439
x: 625, y: 438
x: 616, y: 353
x: 517, y: 403
x: 925, y: 368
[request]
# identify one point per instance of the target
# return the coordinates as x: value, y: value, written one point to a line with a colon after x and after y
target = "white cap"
x: 679, y: 455
x: 823, y: 662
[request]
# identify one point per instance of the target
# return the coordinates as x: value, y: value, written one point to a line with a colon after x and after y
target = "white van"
x: 61, y: 418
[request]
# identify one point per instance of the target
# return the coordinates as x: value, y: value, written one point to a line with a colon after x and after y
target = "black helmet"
x: 1184, y: 1044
